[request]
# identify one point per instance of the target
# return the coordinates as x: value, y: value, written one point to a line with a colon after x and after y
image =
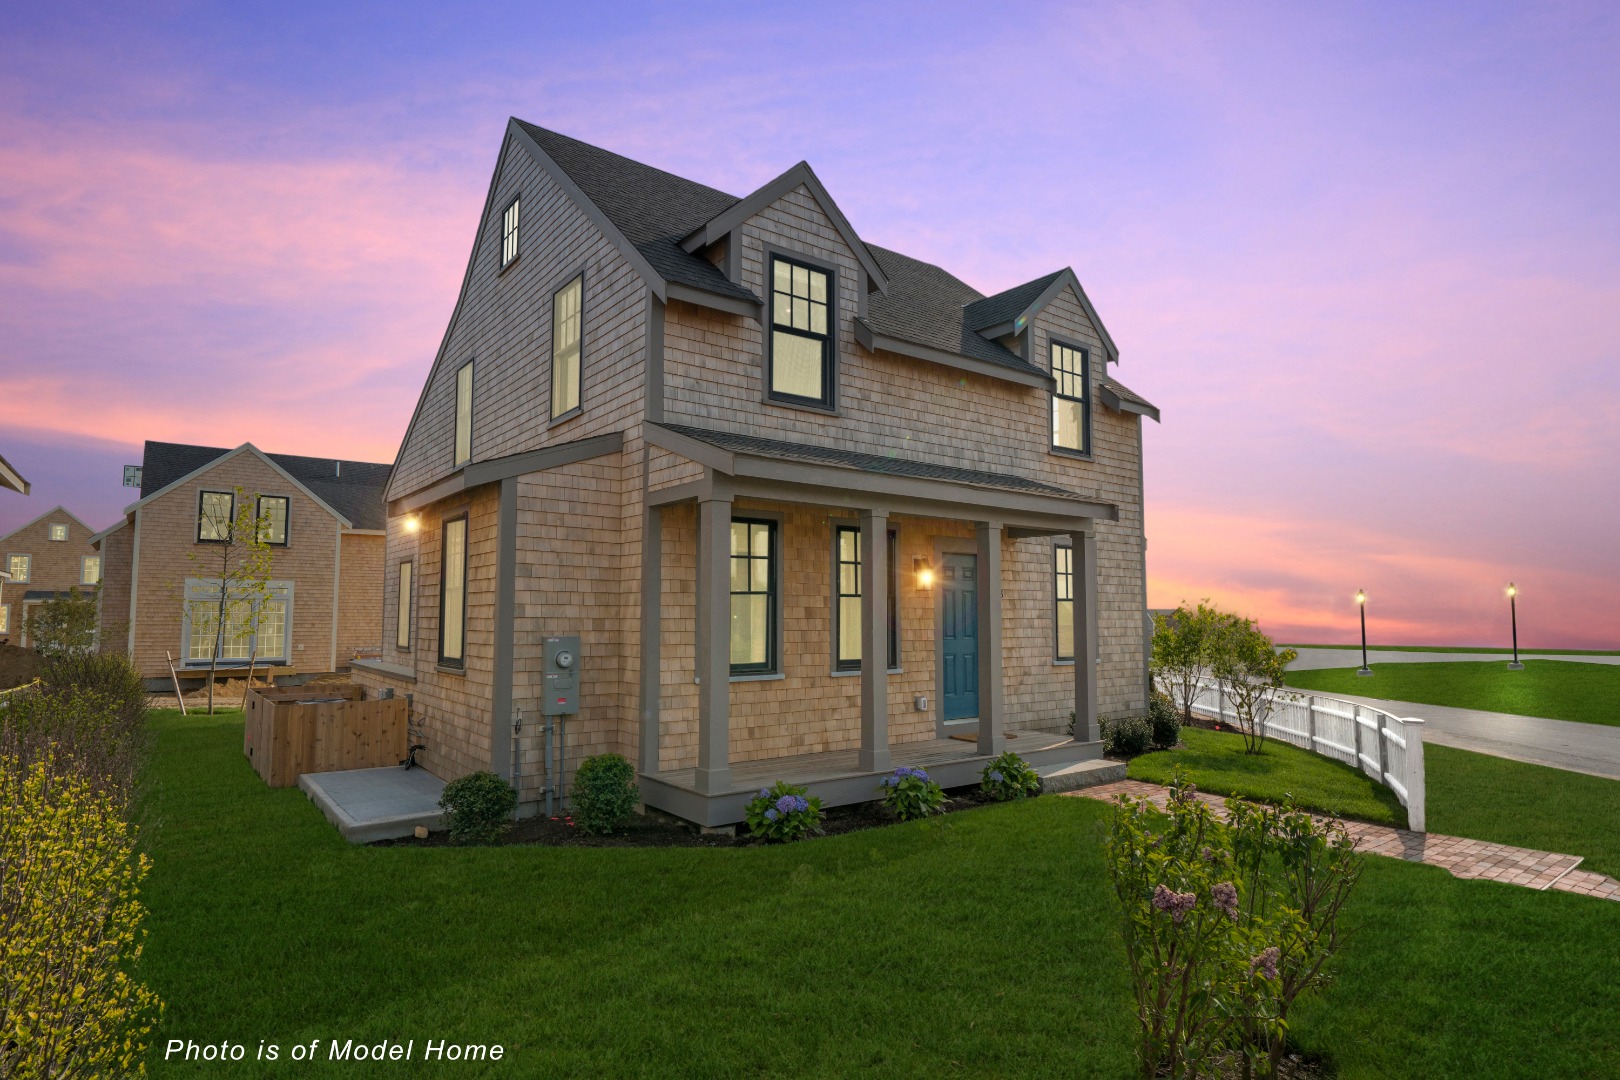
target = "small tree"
x: 238, y: 557
x: 1250, y: 669
x: 1184, y: 645
x: 64, y: 625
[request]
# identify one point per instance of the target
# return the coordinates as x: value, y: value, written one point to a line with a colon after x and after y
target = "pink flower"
x: 1266, y: 963
x: 1177, y: 904
x: 1225, y: 897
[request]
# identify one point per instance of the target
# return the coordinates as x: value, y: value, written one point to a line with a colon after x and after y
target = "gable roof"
x: 1009, y: 311
x: 52, y: 512
x: 351, y: 490
x: 11, y: 478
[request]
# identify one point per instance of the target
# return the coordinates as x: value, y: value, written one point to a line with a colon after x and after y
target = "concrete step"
x: 376, y: 804
x: 1080, y: 774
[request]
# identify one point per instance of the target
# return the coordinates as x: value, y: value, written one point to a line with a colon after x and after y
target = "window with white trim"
x: 90, y: 570
x: 1071, y: 400
x: 801, y: 334
x: 566, y: 325
x: 271, y: 513
x: 402, y: 629
x: 58, y: 531
x: 509, y: 234
x: 847, y: 605
x: 1063, y: 591
x: 216, y: 512
x: 19, y: 567
x: 256, y: 627
x: 464, y: 403
x: 453, y: 593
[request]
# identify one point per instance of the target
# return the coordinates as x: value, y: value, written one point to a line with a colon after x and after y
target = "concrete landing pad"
x: 376, y: 804
x: 1081, y: 774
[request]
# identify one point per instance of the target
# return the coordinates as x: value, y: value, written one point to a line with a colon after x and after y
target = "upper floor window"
x: 509, y: 234
x: 1063, y: 590
x: 216, y: 510
x: 850, y: 588
x: 464, y: 414
x: 453, y: 593
x: 90, y: 570
x: 801, y: 361
x: 58, y: 532
x: 753, y: 597
x: 1071, y: 404
x: 271, y: 514
x: 566, y: 318
x: 18, y: 566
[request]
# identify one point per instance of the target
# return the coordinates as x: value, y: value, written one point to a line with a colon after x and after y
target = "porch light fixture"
x: 413, y: 523
x: 1361, y: 602
x: 925, y: 573
x: 1513, y: 614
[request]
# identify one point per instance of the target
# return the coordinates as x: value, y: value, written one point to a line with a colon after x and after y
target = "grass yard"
x: 980, y: 945
x: 1464, y: 649
x: 1555, y: 689
x: 1216, y: 762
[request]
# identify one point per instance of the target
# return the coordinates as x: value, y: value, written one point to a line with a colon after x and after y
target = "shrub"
x: 89, y: 716
x: 476, y: 807
x: 784, y: 812
x: 909, y: 794
x: 605, y: 793
x: 1126, y: 736
x: 1164, y: 721
x: 70, y: 928
x: 64, y: 625
x: 1009, y: 777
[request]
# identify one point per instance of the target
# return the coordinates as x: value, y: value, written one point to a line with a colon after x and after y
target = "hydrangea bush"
x: 784, y: 812
x: 1009, y: 777
x: 909, y: 794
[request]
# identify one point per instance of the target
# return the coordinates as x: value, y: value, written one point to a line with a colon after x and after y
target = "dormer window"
x: 801, y: 360
x: 509, y: 234
x: 1071, y: 401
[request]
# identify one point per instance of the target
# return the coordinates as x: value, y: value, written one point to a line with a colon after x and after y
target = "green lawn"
x: 1556, y: 689
x: 1463, y: 649
x: 1216, y: 763
x: 982, y: 945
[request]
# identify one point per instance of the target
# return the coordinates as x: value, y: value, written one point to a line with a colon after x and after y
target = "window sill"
x: 764, y: 677
x: 858, y: 672
x: 393, y: 671
x: 1063, y: 663
x: 446, y: 669
x: 572, y: 414
x: 1078, y: 455
x: 802, y: 406
x: 515, y: 260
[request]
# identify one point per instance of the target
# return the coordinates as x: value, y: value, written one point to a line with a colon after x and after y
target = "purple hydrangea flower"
x: 764, y: 792
x: 1225, y: 897
x: 995, y: 776
x: 771, y: 815
x: 1266, y: 963
x: 1177, y: 904
x: 787, y: 804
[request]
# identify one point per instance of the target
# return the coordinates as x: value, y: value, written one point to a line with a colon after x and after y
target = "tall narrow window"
x: 19, y: 567
x: 847, y: 615
x: 801, y: 334
x: 1063, y: 589
x: 58, y: 532
x: 464, y: 414
x: 509, y: 235
x: 565, y: 335
x: 402, y: 632
x: 5, y: 618
x: 271, y: 513
x: 453, y: 594
x: 1071, y: 405
x: 753, y: 597
x: 90, y: 570
x: 216, y: 510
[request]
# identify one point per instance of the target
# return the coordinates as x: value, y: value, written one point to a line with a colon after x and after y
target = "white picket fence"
x: 1385, y: 747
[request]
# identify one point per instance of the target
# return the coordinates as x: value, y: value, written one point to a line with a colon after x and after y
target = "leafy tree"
x: 1184, y: 646
x: 1250, y: 670
x: 64, y: 625
x: 240, y: 560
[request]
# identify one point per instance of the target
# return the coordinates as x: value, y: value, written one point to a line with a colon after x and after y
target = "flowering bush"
x: 1009, y: 777
x: 909, y: 794
x: 784, y: 812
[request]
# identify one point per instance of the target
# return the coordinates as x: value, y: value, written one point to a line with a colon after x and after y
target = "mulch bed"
x: 17, y: 666
x: 656, y: 829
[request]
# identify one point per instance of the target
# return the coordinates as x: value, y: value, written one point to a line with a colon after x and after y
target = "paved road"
x: 1563, y: 744
x: 1311, y: 659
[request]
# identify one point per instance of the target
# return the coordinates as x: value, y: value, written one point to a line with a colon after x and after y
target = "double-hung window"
x: 402, y: 629
x: 849, y: 588
x: 216, y: 511
x: 58, y: 531
x: 271, y: 514
x: 90, y: 570
x: 453, y: 593
x: 753, y: 597
x: 19, y: 567
x: 1063, y: 590
x: 254, y: 626
x: 566, y: 320
x: 802, y: 355
x: 464, y: 414
x: 1071, y: 399
x: 509, y: 233
x: 5, y: 618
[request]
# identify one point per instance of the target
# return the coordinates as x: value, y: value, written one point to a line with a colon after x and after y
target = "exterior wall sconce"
x: 413, y: 523
x: 925, y: 573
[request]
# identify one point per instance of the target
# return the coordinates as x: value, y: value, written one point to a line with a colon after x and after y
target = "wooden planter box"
x: 290, y: 731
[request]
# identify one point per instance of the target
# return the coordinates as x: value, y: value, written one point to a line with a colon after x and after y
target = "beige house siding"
x: 360, y: 587
x: 54, y: 564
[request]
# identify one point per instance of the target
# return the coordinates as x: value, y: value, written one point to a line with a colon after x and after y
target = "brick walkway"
x: 1463, y: 858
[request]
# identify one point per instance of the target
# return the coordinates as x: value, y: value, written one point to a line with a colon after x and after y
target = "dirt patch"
x: 655, y: 829
x: 17, y: 666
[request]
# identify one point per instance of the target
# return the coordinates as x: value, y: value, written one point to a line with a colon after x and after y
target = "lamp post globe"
x: 1513, y: 615
x: 1361, y: 602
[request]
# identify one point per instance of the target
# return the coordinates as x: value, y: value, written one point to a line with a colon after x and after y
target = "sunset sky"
x: 1365, y: 257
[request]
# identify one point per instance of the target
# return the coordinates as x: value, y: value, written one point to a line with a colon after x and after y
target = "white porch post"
x: 992, y: 737
x: 874, y: 753
x: 714, y: 644
x: 652, y: 620
x: 1084, y: 564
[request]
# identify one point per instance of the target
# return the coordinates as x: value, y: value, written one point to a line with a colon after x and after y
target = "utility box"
x: 561, y: 694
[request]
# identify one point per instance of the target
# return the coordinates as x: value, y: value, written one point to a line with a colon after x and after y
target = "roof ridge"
x: 533, y: 127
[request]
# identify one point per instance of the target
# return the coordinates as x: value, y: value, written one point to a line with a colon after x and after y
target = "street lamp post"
x: 1361, y: 602
x: 1513, y: 613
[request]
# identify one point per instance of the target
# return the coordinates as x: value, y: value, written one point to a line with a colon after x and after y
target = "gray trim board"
x: 872, y: 341
x: 500, y: 709
x: 652, y: 623
x: 734, y: 305
x: 1065, y: 278
x: 654, y: 368
x: 479, y: 473
x: 721, y: 461
x: 393, y: 671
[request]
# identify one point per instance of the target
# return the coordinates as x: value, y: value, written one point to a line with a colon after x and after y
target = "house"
x: 324, y: 526
x: 736, y: 449
x: 48, y: 557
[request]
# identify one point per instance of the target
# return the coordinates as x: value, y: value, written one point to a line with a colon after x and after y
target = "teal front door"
x: 959, y: 637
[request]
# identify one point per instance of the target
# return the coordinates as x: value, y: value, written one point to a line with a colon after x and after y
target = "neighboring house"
x: 46, y: 558
x: 12, y: 479
x: 831, y: 450
x: 326, y: 537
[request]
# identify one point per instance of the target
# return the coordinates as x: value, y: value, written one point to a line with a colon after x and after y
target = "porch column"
x: 652, y: 617
x: 505, y: 660
x: 992, y: 739
x: 1085, y: 636
x: 874, y: 755
x: 714, y: 644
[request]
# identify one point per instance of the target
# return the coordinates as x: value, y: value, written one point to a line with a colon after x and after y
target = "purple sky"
x: 1365, y: 257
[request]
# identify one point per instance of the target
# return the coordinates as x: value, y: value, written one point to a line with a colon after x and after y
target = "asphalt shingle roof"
x: 1127, y: 393
x: 355, y: 491
x: 872, y: 463
x: 1007, y: 305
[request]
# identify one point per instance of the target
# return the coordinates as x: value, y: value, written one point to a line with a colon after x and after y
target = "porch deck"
x: 836, y: 776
